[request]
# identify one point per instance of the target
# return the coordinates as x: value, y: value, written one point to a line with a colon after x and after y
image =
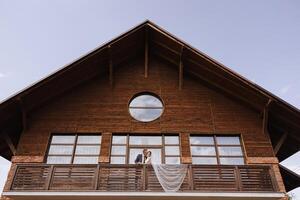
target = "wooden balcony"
x: 140, y: 178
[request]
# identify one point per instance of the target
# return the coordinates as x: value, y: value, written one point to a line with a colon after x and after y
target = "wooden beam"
x: 146, y: 53
x: 207, y: 58
x: 9, y: 143
x: 166, y: 47
x: 266, y: 118
x: 194, y: 62
x: 180, y: 78
x: 219, y: 86
x: 280, y: 143
x: 110, y: 66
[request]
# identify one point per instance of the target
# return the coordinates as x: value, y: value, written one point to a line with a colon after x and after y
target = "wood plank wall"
x: 97, y: 107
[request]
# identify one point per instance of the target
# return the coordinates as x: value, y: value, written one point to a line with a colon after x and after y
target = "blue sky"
x: 258, y: 39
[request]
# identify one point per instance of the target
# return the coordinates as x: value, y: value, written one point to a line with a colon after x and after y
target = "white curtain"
x: 170, y: 176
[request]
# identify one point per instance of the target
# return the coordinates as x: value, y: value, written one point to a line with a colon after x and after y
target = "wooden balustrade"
x: 140, y: 178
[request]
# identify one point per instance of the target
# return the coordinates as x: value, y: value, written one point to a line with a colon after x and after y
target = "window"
x: 164, y: 148
x: 77, y: 149
x: 213, y: 150
x: 145, y: 107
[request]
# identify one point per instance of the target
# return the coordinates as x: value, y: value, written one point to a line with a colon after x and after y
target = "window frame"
x: 74, y: 145
x: 143, y: 107
x: 162, y: 146
x: 216, y: 145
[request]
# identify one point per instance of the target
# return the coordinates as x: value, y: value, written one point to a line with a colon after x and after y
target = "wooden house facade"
x: 76, y: 134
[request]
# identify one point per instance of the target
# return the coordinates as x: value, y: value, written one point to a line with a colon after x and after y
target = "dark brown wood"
x: 49, y: 178
x: 110, y: 67
x: 9, y: 142
x: 146, y: 52
x: 280, y: 142
x: 180, y: 78
x: 266, y: 117
x: 97, y: 177
x: 191, y: 178
x: 210, y: 100
x: 237, y: 178
x: 55, y: 96
x: 24, y: 114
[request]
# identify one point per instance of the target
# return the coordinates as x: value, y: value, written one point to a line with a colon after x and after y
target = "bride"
x: 148, y: 157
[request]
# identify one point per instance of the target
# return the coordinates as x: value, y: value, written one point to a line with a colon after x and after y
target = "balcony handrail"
x: 140, y: 177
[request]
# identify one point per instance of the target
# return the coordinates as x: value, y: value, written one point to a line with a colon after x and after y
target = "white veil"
x: 170, y: 176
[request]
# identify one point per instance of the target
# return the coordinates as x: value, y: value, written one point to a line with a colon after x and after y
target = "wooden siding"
x: 96, y: 107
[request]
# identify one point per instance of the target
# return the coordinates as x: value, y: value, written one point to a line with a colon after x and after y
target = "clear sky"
x: 258, y: 39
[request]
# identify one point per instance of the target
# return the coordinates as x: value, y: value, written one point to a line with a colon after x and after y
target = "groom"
x: 140, y: 159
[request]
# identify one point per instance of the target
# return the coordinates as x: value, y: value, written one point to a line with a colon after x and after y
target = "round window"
x: 145, y: 107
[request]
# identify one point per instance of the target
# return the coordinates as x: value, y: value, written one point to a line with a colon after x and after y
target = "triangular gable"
x: 148, y: 38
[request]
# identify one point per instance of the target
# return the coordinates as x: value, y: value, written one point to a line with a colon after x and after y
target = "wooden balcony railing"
x: 140, y: 178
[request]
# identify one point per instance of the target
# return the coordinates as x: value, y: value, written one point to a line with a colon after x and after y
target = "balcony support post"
x: 238, y: 178
x: 190, y: 174
x: 49, y: 177
x: 97, y: 177
x: 144, y: 177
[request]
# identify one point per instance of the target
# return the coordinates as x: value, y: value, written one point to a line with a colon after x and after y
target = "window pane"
x: 155, y: 157
x: 117, y: 160
x: 145, y: 140
x: 63, y: 139
x: 87, y: 150
x: 172, y: 160
x: 235, y: 140
x: 85, y: 160
x: 133, y: 153
x: 89, y: 139
x: 171, y: 140
x: 204, y: 161
x: 118, y: 150
x: 145, y: 101
x: 208, y: 151
x: 172, y: 150
x: 230, y: 151
x: 145, y: 115
x: 61, y: 149
x: 232, y: 161
x: 201, y: 140
x: 119, y: 139
x: 59, y: 159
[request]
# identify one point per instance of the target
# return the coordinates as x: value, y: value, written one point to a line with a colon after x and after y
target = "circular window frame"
x: 146, y: 93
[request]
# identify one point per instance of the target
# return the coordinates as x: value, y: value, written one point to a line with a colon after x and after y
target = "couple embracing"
x: 144, y: 158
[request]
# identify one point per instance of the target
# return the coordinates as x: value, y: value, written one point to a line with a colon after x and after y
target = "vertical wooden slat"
x: 238, y: 178
x: 191, y: 179
x: 96, y: 177
x: 266, y: 118
x: 110, y: 66
x: 50, y: 174
x: 145, y: 181
x: 180, y: 78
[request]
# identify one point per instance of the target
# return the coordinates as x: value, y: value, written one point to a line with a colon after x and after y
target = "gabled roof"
x: 282, y: 119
